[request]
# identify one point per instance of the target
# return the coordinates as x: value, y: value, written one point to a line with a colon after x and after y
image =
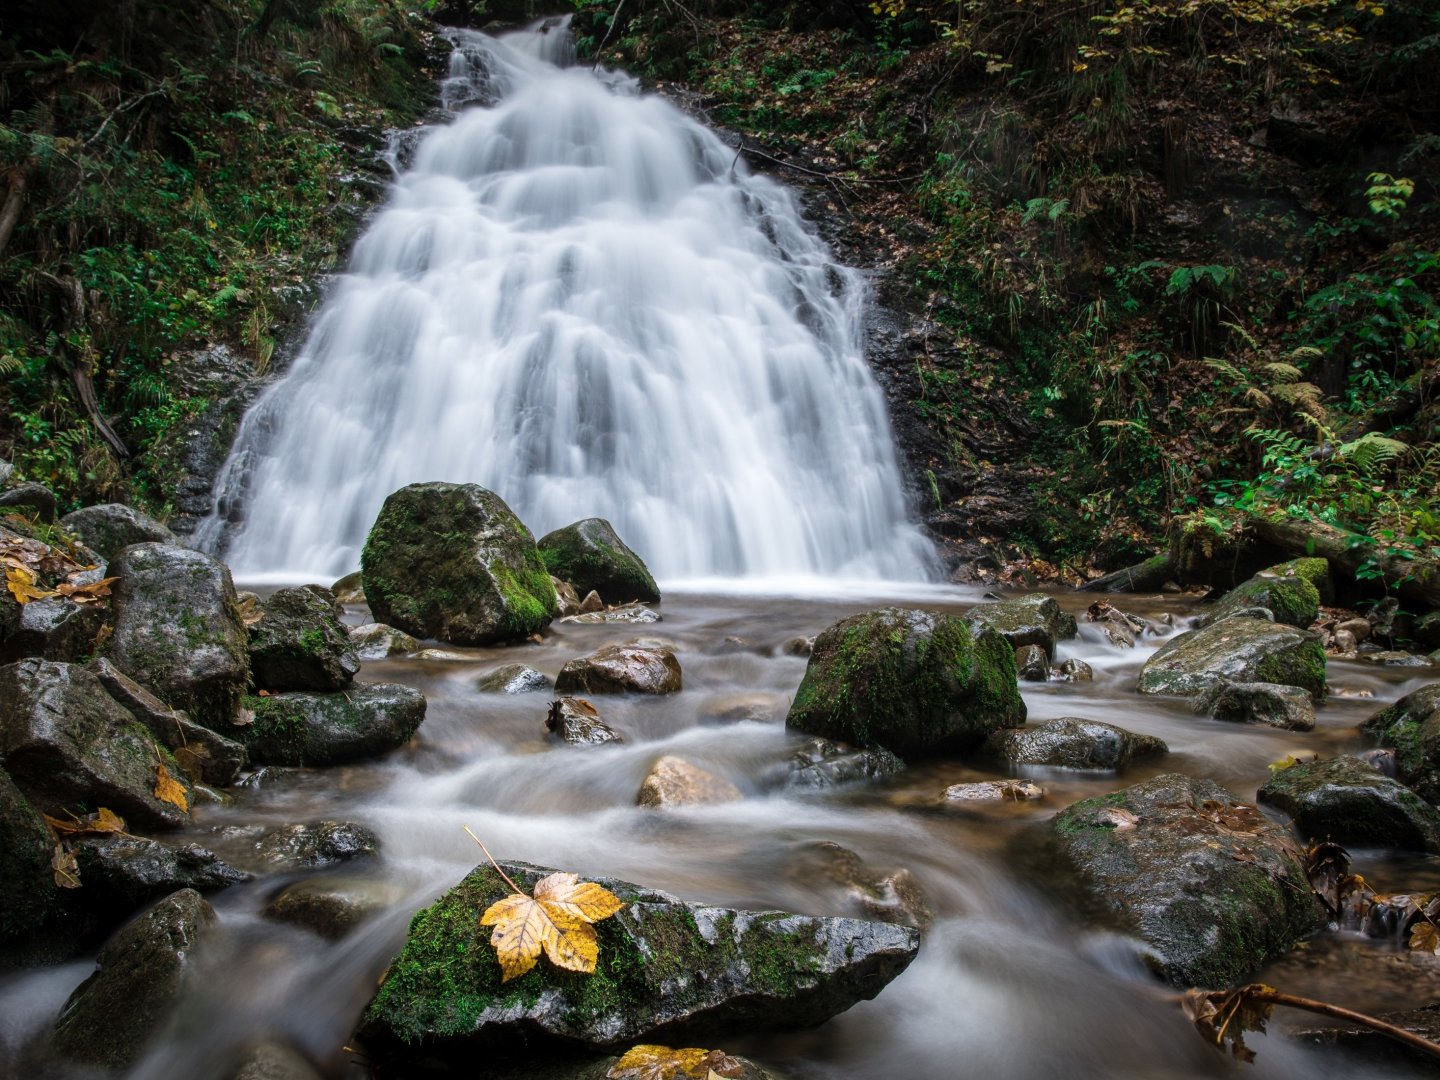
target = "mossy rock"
x: 911, y: 681
x: 1026, y: 620
x: 109, y: 527
x: 331, y: 729
x: 27, y: 886
x: 1074, y: 743
x: 298, y: 644
x: 1411, y: 727
x: 667, y: 970
x: 589, y: 555
x: 1314, y: 570
x: 1350, y: 802
x: 1238, y: 649
x: 1287, y: 707
x: 1290, y: 597
x: 453, y: 562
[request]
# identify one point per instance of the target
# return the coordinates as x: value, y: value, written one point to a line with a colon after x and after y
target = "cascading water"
x: 579, y: 298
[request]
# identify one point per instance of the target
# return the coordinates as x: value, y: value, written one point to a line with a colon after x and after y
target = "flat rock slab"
x: 1238, y: 649
x: 1350, y: 802
x: 1073, y: 743
x: 667, y: 970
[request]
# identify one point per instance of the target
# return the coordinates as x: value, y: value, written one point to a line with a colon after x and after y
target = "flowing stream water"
x: 437, y: 345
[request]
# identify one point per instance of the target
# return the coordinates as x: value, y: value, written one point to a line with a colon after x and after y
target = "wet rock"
x: 1313, y: 569
x: 445, y: 656
x: 1287, y: 707
x: 203, y: 754
x: 1289, y: 596
x: 673, y: 782
x: 1373, y: 1050
x: 1411, y: 727
x: 298, y: 644
x: 618, y: 669
x: 139, y: 978
x: 120, y: 873
x: 1012, y: 790
x: 35, y: 499
x: 577, y: 722
x: 1027, y: 620
x: 1073, y: 743
x: 1238, y: 649
x: 1195, y: 872
x: 911, y: 681
x: 66, y: 742
x: 109, y: 527
x: 1343, y: 643
x: 27, y: 887
x: 330, y: 729
x: 1394, y: 658
x: 349, y: 589
x: 821, y: 763
x: 637, y: 614
x: 567, y: 600
x: 318, y: 844
x: 1351, y: 803
x: 668, y: 968
x: 1032, y: 664
x: 453, y: 562
x: 178, y: 632
x: 514, y: 679
x: 649, y: 1061
x: 730, y: 645
x: 1120, y: 628
x: 1359, y: 628
x: 742, y: 708
x: 591, y: 604
x: 272, y: 1061
x: 841, y: 875
x: 1073, y: 670
x: 331, y: 906
x: 798, y: 646
x: 589, y: 555
x: 53, y: 629
x: 376, y: 641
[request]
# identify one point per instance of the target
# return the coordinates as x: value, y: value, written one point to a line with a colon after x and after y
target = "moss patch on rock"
x: 590, y: 555
x: 1287, y: 591
x: 1411, y: 727
x: 1238, y: 649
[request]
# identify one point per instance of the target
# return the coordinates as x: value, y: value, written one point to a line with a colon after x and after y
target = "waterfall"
x: 579, y: 297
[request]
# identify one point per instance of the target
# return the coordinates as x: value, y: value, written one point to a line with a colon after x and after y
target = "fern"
x: 1371, y: 453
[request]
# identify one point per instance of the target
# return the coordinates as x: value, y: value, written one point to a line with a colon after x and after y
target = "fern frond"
x: 1282, y: 372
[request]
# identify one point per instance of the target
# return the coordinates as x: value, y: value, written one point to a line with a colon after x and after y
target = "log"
x: 1415, y: 579
x: 1148, y: 576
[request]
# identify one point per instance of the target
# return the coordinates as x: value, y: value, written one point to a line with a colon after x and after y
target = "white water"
x: 580, y: 298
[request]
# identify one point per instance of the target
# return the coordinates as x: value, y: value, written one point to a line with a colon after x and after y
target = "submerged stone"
x: 673, y: 782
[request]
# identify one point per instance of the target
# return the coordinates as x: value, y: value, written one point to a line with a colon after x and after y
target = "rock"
x: 203, y: 754
x: 630, y: 613
x: 617, y: 669
x: 1287, y: 707
x: 840, y: 874
x: 272, y: 1061
x: 330, y: 729
x: 178, y: 632
x: 349, y: 589
x: 591, y: 604
x: 649, y: 1061
x: 376, y: 641
x: 27, y: 886
x: 1012, y: 790
x: 514, y: 679
x: 742, y: 708
x: 36, y: 498
x: 1032, y: 664
x: 453, y: 562
x: 1314, y: 570
x: 1073, y: 743
x: 330, y: 906
x: 1120, y: 628
x: 1394, y: 658
x: 120, y: 873
x: 1351, y: 803
x: 1411, y: 727
x: 319, y: 844
x: 1358, y: 627
x: 1073, y: 670
x: 139, y: 978
x: 911, y: 681
x: 1192, y: 870
x: 445, y: 656
x: 111, y: 526
x: 1240, y: 649
x: 1292, y: 600
x: 1027, y: 620
x: 589, y: 555
x: 1343, y: 643
x: 66, y: 742
x: 673, y: 782
x: 667, y: 967
x: 298, y: 644
x: 798, y: 646
x: 54, y: 629
x: 577, y: 722
x: 821, y: 763
x: 567, y: 600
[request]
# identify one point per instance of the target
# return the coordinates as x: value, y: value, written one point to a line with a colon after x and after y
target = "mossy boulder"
x: 1239, y: 649
x: 298, y: 644
x: 178, y: 631
x: 111, y: 526
x: 453, y: 562
x: 1073, y: 743
x: 331, y: 729
x: 27, y: 886
x: 1348, y: 801
x: 1191, y: 869
x: 1288, y: 595
x: 1314, y: 570
x: 589, y: 555
x: 1026, y: 620
x: 1287, y: 707
x: 1411, y: 727
x: 667, y: 970
x: 911, y: 681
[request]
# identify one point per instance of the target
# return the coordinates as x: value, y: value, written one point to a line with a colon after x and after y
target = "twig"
x: 1324, y: 1008
x: 599, y: 49
x: 124, y: 106
x: 493, y: 863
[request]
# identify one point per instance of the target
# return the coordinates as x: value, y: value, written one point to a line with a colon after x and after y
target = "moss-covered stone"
x: 911, y: 681
x: 1074, y: 743
x: 1350, y: 802
x: 298, y: 644
x: 589, y: 555
x: 452, y: 561
x: 1411, y: 727
x: 1287, y: 707
x: 1314, y: 570
x: 1287, y: 591
x: 330, y: 729
x: 27, y: 887
x: 1238, y: 649
x: 1026, y: 620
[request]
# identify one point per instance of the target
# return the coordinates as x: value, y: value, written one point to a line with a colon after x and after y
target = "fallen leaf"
x: 556, y: 920
x: 67, y: 871
x: 87, y: 593
x: 1223, y: 1017
x: 1425, y: 938
x: 101, y: 822
x: 168, y: 789
x: 1119, y: 817
x: 191, y: 760
x: 648, y: 1062
x: 21, y: 583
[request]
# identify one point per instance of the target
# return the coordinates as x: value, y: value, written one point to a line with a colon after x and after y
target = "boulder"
x: 349, y: 589
x: 55, y: 628
x: 982, y: 791
x: 740, y: 708
x: 577, y: 722
x: 66, y: 742
x: 1350, y: 802
x: 376, y: 641
x: 1119, y: 627
x: 847, y: 884
x: 1027, y: 620
x: 331, y: 729
x: 912, y: 681
x: 453, y: 562
x: 1290, y: 597
x: 35, y: 499
x: 567, y: 600
x: 1032, y: 663
x: 273, y: 1061
x: 821, y: 763
x: 1238, y: 649
x: 589, y: 556
x: 635, y: 614
x: 1314, y: 570
x: 1073, y: 670
x: 320, y: 843
x: 111, y: 526
x: 178, y: 631
x: 139, y: 979
x: 618, y: 669
x: 1073, y: 743
x: 298, y: 644
x: 120, y: 873
x: 797, y: 646
x: 1198, y: 874
x: 514, y: 679
x: 27, y: 886
x: 331, y: 906
x: 1411, y: 727
x: 1278, y: 706
x: 673, y: 782
x: 667, y: 969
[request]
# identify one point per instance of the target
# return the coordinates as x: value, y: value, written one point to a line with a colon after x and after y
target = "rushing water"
x: 581, y: 299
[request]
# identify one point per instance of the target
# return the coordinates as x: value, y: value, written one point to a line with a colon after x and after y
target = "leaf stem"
x: 496, y: 865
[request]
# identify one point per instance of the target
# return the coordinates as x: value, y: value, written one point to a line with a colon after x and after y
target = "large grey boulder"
x: 1205, y: 880
x: 452, y: 561
x: 66, y: 742
x: 1026, y: 620
x: 27, y: 887
x: 1348, y: 801
x: 911, y: 681
x: 55, y: 628
x: 1270, y: 704
x: 297, y: 643
x: 668, y: 969
x: 330, y: 729
x: 589, y: 555
x: 1411, y: 727
x: 619, y: 669
x: 111, y: 526
x: 1237, y: 649
x: 178, y: 631
x: 1073, y: 743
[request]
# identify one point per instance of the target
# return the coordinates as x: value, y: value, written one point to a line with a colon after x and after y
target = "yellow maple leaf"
x: 168, y: 789
x: 556, y: 920
x: 21, y: 583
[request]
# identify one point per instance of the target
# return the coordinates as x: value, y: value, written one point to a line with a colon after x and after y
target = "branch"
x: 14, y: 198
x: 124, y: 106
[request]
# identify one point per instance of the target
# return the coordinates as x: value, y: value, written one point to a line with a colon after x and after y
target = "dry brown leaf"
x: 67, y: 871
x: 168, y: 789
x: 649, y: 1062
x: 87, y: 593
x: 1223, y: 1017
x: 1119, y: 817
x: 21, y: 583
x: 1425, y: 938
x: 556, y: 920
x: 101, y: 822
